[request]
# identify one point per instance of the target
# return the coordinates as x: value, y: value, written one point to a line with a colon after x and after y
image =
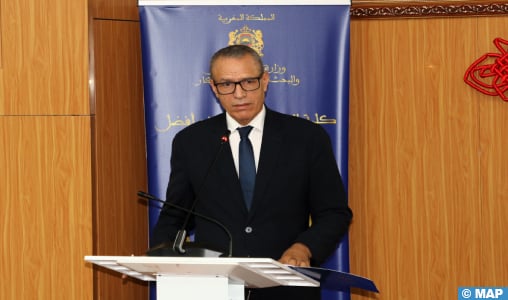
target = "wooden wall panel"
x: 114, y: 9
x: 44, y: 57
x: 422, y: 203
x: 45, y: 209
x: 494, y: 164
x: 121, y: 221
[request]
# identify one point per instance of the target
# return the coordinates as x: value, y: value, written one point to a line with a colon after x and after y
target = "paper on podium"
x: 336, y: 280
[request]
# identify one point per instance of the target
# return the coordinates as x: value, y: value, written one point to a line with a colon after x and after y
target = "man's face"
x: 242, y: 105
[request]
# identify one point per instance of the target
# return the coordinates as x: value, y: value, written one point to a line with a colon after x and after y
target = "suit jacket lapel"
x: 271, y: 148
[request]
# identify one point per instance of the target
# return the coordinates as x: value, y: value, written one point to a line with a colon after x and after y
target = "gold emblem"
x: 249, y: 37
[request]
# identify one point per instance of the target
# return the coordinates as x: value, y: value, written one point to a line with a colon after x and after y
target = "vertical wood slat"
x: 493, y: 164
x: 121, y: 222
x: 45, y: 210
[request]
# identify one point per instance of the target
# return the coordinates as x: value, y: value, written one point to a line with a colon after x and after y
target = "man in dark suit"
x: 296, y: 177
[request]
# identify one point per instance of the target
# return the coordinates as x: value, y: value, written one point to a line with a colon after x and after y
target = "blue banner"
x: 305, y: 49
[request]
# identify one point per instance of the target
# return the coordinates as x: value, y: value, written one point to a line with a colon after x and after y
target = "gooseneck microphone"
x: 178, y: 243
x: 212, y: 220
x: 181, y: 235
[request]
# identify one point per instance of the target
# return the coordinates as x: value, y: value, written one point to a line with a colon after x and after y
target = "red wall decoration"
x: 489, y: 73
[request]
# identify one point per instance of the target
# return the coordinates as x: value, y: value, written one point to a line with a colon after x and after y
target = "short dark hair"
x: 236, y: 51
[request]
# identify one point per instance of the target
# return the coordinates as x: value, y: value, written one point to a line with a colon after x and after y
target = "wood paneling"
x: 114, y: 9
x: 45, y: 153
x: 45, y: 209
x: 121, y: 222
x: 426, y: 159
x: 44, y: 57
x: 494, y: 164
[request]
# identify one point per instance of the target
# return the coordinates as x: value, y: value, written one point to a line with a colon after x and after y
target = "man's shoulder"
x: 291, y: 121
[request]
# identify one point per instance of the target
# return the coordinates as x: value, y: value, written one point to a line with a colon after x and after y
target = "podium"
x: 211, y: 278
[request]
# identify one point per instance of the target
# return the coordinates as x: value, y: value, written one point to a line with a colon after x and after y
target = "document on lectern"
x: 336, y: 280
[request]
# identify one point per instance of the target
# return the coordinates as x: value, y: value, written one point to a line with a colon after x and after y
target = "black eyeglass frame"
x: 236, y: 83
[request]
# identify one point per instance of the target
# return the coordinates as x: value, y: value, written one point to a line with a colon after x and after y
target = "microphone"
x: 201, y: 252
x: 181, y: 235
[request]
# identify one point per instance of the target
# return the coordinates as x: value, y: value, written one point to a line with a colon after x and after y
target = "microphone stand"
x: 181, y: 235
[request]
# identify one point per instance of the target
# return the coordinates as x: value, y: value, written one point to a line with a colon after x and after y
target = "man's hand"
x: 297, y: 255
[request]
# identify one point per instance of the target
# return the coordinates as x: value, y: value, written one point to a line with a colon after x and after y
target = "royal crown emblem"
x: 248, y: 37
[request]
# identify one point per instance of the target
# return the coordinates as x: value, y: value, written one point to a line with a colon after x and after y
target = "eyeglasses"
x: 229, y: 87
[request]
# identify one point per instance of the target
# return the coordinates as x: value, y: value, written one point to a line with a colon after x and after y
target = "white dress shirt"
x: 255, y: 136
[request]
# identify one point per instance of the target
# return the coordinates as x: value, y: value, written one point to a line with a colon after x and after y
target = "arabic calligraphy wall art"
x: 489, y: 73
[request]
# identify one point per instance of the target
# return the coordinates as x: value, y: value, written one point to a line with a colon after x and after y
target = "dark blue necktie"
x: 247, y: 166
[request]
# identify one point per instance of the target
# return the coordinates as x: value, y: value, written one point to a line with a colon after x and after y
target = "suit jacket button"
x: 248, y: 229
